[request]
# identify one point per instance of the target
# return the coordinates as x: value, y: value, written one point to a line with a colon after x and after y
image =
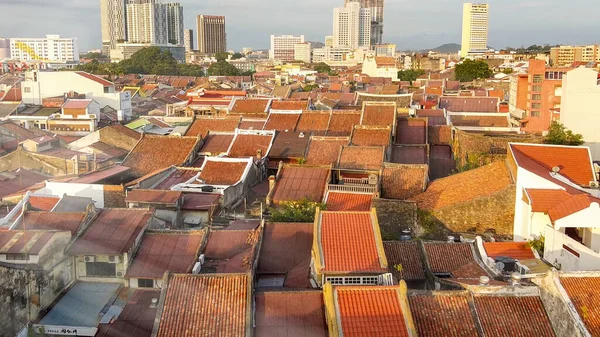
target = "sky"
x: 411, y: 24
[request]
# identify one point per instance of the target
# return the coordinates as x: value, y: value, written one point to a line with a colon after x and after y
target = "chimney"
x: 484, y: 280
x: 515, y: 279
x: 271, y: 183
x: 154, y: 303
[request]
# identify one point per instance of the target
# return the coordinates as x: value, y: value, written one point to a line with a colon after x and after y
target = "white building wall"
x: 95, y: 192
x: 282, y: 46
x: 51, y: 48
x: 302, y: 52
x: 346, y: 25
x: 580, y: 106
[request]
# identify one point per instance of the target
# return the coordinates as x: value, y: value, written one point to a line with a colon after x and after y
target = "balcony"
x: 353, y: 188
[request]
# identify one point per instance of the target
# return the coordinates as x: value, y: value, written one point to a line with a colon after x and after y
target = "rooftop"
x: 215, y: 144
x: 456, y: 259
x: 469, y: 104
x: 176, y: 252
x: 144, y: 158
x: 24, y: 242
x: 301, y: 182
x: 289, y: 145
x: 443, y: 314
x: 230, y: 251
x: 583, y: 293
x: 18, y: 180
x: 342, y: 123
x: 137, y: 317
x: 371, y: 136
x: 314, y: 121
x: 407, y: 255
x: 378, y: 115
x: 411, y: 131
x: 480, y: 121
x: 289, y: 105
x: 53, y: 221
x: 200, y: 305
x: 218, y: 172
x: 77, y: 103
x: 362, y: 158
x: 516, y: 250
x: 282, y: 121
x: 202, y: 125
x: 348, y: 202
x: 247, y: 145
x: 253, y: 106
x: 325, y: 150
x: 403, y: 181
x: 153, y: 197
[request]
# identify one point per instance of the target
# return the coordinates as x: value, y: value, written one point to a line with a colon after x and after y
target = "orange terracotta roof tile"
x: 158, y: 152
x: 206, y: 305
x: 447, y: 315
x: 469, y: 104
x: 342, y: 123
x: 153, y: 197
x: 230, y: 251
x: 289, y: 105
x: 348, y: 242
x: 516, y: 250
x: 290, y: 314
x: 248, y: 145
x: 583, y: 292
x: 574, y: 162
x: 222, y: 172
x: 300, y: 182
x: 250, y: 106
x: 541, y: 200
x: 201, y: 126
x: 216, y: 144
x: 458, y: 188
x: 371, y: 136
x: 325, y: 150
x: 252, y: 124
x: 43, y: 203
x: 362, y: 157
x: 408, y: 256
x: 373, y: 114
x: 480, y: 121
x: 448, y: 258
x: 349, y: 202
x: 383, y: 61
x: 370, y: 311
x: 314, y: 121
x: 282, y: 122
x: 403, y: 181
x: 572, y: 205
x: 509, y: 316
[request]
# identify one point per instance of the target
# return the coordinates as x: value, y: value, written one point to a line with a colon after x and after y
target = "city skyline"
x: 248, y: 28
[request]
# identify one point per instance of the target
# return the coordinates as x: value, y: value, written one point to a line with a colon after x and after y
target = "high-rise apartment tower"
x: 175, y: 23
x: 376, y: 9
x: 112, y: 18
x: 474, y: 28
x: 211, y: 34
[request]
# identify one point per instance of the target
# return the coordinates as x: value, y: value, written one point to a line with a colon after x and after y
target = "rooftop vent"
x: 515, y: 279
x: 301, y: 135
x: 450, y: 239
x: 154, y: 303
x: 556, y: 169
x: 484, y: 280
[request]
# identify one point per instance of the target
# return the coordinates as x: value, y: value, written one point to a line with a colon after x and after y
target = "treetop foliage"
x: 470, y: 70
x: 559, y: 135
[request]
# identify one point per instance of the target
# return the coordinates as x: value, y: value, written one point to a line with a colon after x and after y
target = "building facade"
x: 387, y: 49
x: 211, y: 34
x: 282, y: 47
x: 112, y: 18
x: 302, y: 52
x: 474, y: 28
x: 147, y: 22
x: 175, y: 30
x: 562, y: 56
x: 346, y: 26
x: 50, y: 48
x: 188, y: 39
x: 375, y: 8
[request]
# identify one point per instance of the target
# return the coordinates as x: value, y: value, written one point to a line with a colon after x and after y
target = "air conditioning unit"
x: 201, y: 259
x: 197, y: 268
x: 119, y: 274
x: 89, y: 258
x: 114, y: 259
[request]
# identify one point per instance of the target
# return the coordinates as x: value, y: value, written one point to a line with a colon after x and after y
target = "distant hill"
x: 448, y: 48
x: 316, y: 44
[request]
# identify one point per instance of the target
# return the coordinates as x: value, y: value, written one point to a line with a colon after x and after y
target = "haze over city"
x: 251, y: 22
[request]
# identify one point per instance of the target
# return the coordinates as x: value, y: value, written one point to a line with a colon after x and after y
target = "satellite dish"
x: 500, y: 266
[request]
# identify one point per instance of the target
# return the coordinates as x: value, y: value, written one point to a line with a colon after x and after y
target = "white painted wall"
x: 95, y: 192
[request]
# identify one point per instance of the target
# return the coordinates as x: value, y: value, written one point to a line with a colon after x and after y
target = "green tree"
x: 194, y: 70
x: 223, y: 68
x: 221, y: 56
x: 470, y: 70
x: 410, y: 75
x: 310, y: 87
x: 236, y: 56
x: 559, y: 135
x: 296, y: 211
x: 151, y: 60
x: 322, y: 68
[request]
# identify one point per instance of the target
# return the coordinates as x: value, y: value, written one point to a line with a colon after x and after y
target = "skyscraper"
x: 211, y: 34
x: 188, y: 39
x: 282, y: 47
x: 351, y: 26
x: 474, y: 28
x: 146, y: 22
x: 175, y: 23
x: 112, y: 18
x: 376, y: 9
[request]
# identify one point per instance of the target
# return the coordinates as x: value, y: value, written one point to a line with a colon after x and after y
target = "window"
x: 27, y: 90
x: 536, y: 97
x: 101, y: 269
x: 145, y: 283
x: 13, y: 257
x: 537, y: 88
x: 535, y: 114
x: 359, y: 280
x: 536, y: 105
x: 538, y: 79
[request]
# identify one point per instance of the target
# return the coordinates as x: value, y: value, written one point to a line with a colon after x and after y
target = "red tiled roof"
x: 300, y: 182
x: 252, y: 124
x: 290, y: 314
x: 447, y: 315
x: 230, y: 251
x: 370, y: 311
x: 574, y: 162
x: 509, y: 316
x: 469, y: 104
x: 153, y: 196
x: 452, y: 258
x: 113, y: 231
x: 348, y: 242
x: 76, y: 103
x: 157, y: 152
x: 403, y: 181
x: 314, y: 121
x: 458, y: 188
x: 583, y: 292
x: 175, y: 252
x: 18, y: 180
x: 572, y: 205
x: 216, y: 144
x: 43, y: 203
x: 206, y: 305
x: 480, y: 121
x: 378, y: 114
x: 202, y: 125
x: 222, y: 173
x: 286, y: 249
x: 248, y: 145
x: 542, y: 200
x: 282, y: 122
x: 371, y: 136
x: 408, y: 256
x: 325, y: 150
x: 250, y: 106
x: 50, y: 221
x: 342, y: 123
x: 95, y: 78
x: 362, y: 157
x: 24, y: 242
x: 409, y: 154
x: 289, y: 105
x: 385, y: 61
x: 349, y: 202
x: 137, y: 317
x: 288, y: 145
x: 411, y: 131
x: 200, y: 201
x: 516, y: 250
